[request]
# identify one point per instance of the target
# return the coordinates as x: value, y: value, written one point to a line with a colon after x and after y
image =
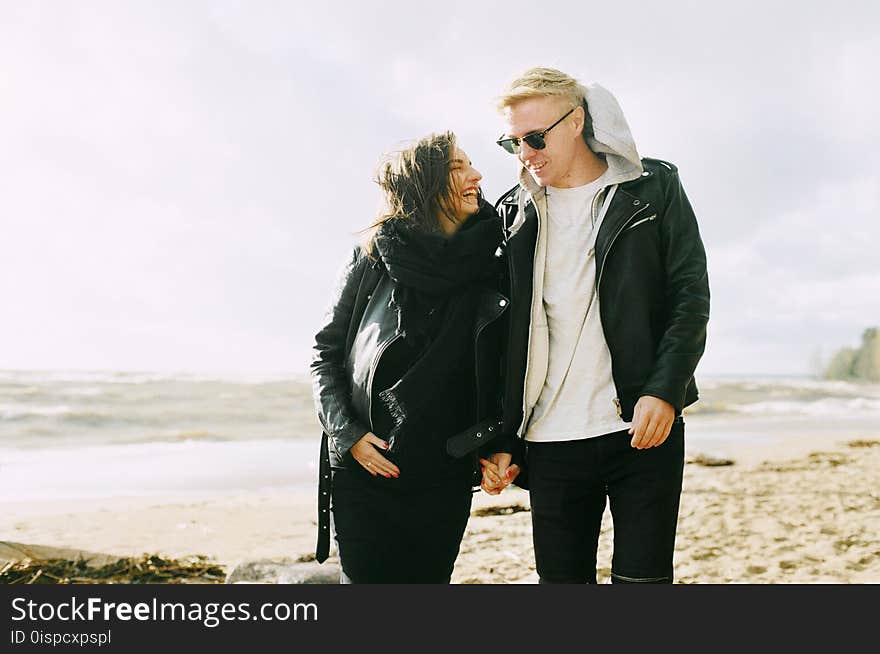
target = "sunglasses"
x: 535, y: 140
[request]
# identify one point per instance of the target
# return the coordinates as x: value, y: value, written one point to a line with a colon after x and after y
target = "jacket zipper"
x: 510, y: 322
x: 476, y: 354
x: 639, y: 222
x: 373, y: 369
x: 610, y: 245
x: 510, y: 327
x: 525, y: 418
x: 602, y: 269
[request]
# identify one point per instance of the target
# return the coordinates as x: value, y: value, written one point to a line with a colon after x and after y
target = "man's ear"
x: 578, y: 117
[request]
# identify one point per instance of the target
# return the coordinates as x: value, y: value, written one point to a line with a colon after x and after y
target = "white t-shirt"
x: 577, y: 400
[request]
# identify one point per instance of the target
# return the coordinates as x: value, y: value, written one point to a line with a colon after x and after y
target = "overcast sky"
x: 179, y: 181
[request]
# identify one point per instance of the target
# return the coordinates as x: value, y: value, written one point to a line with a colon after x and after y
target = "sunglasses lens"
x: 510, y: 145
x: 535, y: 141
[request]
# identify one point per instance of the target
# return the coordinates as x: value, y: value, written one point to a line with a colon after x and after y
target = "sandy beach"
x: 803, y: 510
x: 809, y: 518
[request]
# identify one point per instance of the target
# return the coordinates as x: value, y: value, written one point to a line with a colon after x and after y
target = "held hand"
x: 498, y: 473
x: 506, y: 471
x: 652, y: 420
x: 491, y: 483
x: 365, y: 453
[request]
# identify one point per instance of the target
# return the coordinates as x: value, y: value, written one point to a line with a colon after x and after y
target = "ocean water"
x: 72, y: 409
x: 738, y: 411
x: 67, y: 435
x: 787, y: 396
x: 80, y: 435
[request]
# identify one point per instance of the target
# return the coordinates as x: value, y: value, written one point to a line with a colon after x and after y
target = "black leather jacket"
x: 653, y: 292
x: 353, y: 337
x: 346, y: 354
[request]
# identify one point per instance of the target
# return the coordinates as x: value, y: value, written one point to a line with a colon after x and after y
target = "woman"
x: 407, y: 358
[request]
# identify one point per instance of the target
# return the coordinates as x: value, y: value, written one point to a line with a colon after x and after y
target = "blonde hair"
x: 542, y: 82
x: 548, y: 82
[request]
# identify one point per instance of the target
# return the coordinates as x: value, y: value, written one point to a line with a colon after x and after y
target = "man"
x: 609, y: 305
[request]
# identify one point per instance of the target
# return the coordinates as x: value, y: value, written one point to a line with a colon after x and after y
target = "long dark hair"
x: 416, y: 185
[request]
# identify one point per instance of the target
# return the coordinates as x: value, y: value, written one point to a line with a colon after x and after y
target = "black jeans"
x: 569, y: 482
x: 397, y: 535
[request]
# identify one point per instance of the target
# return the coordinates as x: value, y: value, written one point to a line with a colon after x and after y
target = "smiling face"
x: 557, y: 164
x: 431, y: 184
x: 464, y: 186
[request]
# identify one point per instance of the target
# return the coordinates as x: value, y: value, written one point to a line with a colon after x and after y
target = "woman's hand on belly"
x: 367, y: 452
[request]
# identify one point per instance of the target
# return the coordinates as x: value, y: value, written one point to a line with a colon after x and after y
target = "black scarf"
x: 438, y: 282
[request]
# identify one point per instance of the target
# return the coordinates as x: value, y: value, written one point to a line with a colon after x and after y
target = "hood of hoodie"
x: 612, y: 137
